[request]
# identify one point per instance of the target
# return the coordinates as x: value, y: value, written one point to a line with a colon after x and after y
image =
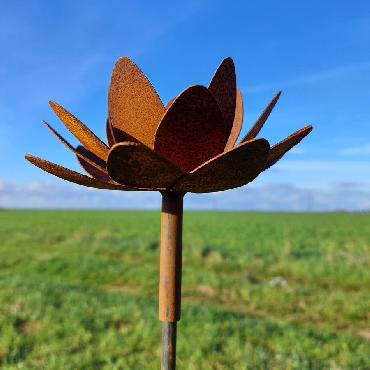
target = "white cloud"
x: 273, y: 197
x: 315, y: 173
x: 51, y: 195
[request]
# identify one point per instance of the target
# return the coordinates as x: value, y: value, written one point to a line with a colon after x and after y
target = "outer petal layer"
x: 191, y: 131
x: 134, y: 106
x: 137, y: 165
x: 279, y: 149
x: 72, y: 176
x: 238, y: 121
x: 80, y: 151
x: 223, y: 89
x: 228, y: 170
x: 256, y: 128
x: 85, y: 136
x: 95, y: 171
x: 109, y: 132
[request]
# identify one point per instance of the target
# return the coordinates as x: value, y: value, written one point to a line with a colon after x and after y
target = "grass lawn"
x: 78, y: 290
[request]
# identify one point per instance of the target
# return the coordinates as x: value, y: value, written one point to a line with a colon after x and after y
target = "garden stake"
x: 189, y: 145
x: 170, y: 274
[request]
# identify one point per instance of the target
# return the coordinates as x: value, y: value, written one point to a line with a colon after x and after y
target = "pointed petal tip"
x: 124, y: 58
x: 46, y: 124
x: 223, y: 88
x: 277, y: 96
x: 308, y: 127
x: 72, y: 176
x: 53, y: 103
x: 281, y: 148
x: 55, y: 106
x: 122, y: 61
x: 306, y: 130
x: 228, y: 60
x: 32, y: 159
x: 303, y: 131
x: 133, y: 104
x: 257, y: 127
x: 36, y: 161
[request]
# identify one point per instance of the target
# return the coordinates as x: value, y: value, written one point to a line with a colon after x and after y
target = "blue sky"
x: 317, y: 52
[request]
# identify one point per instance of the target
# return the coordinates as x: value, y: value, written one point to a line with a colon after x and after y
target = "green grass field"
x: 78, y: 290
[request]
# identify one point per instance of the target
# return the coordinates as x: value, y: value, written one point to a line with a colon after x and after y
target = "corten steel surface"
x: 238, y: 121
x: 94, y: 171
x: 171, y: 257
x: 72, y: 176
x: 137, y: 165
x: 134, y: 106
x: 200, y: 134
x: 279, y: 149
x: 189, y: 145
x: 223, y: 89
x: 80, y: 151
x: 80, y: 131
x: 109, y: 132
x: 256, y: 128
x: 225, y: 170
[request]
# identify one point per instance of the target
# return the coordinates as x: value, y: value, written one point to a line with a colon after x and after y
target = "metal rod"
x: 168, y: 361
x: 170, y: 274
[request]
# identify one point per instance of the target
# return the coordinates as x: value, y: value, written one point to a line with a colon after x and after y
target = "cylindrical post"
x: 170, y: 274
x: 168, y: 361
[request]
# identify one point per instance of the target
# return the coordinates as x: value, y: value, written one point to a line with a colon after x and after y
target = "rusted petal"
x: 72, y: 176
x: 134, y: 106
x: 59, y: 137
x: 191, y: 131
x: 83, y: 134
x: 279, y: 149
x: 91, y: 158
x: 137, y: 165
x: 79, y: 151
x: 256, y: 128
x: 238, y: 121
x: 110, y: 137
x: 120, y: 136
x: 229, y: 170
x: 93, y: 171
x: 223, y: 89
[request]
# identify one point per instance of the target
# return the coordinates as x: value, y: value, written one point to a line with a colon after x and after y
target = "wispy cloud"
x: 312, y: 78
x: 317, y: 173
x: 358, y: 150
x: 40, y: 194
x: 273, y: 197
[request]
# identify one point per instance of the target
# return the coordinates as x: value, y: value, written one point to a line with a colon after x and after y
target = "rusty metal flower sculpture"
x: 187, y: 146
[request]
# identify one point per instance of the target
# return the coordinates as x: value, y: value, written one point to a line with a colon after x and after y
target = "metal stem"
x: 170, y: 274
x: 168, y: 361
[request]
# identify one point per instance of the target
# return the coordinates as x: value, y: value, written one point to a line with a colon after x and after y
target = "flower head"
x: 187, y: 146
